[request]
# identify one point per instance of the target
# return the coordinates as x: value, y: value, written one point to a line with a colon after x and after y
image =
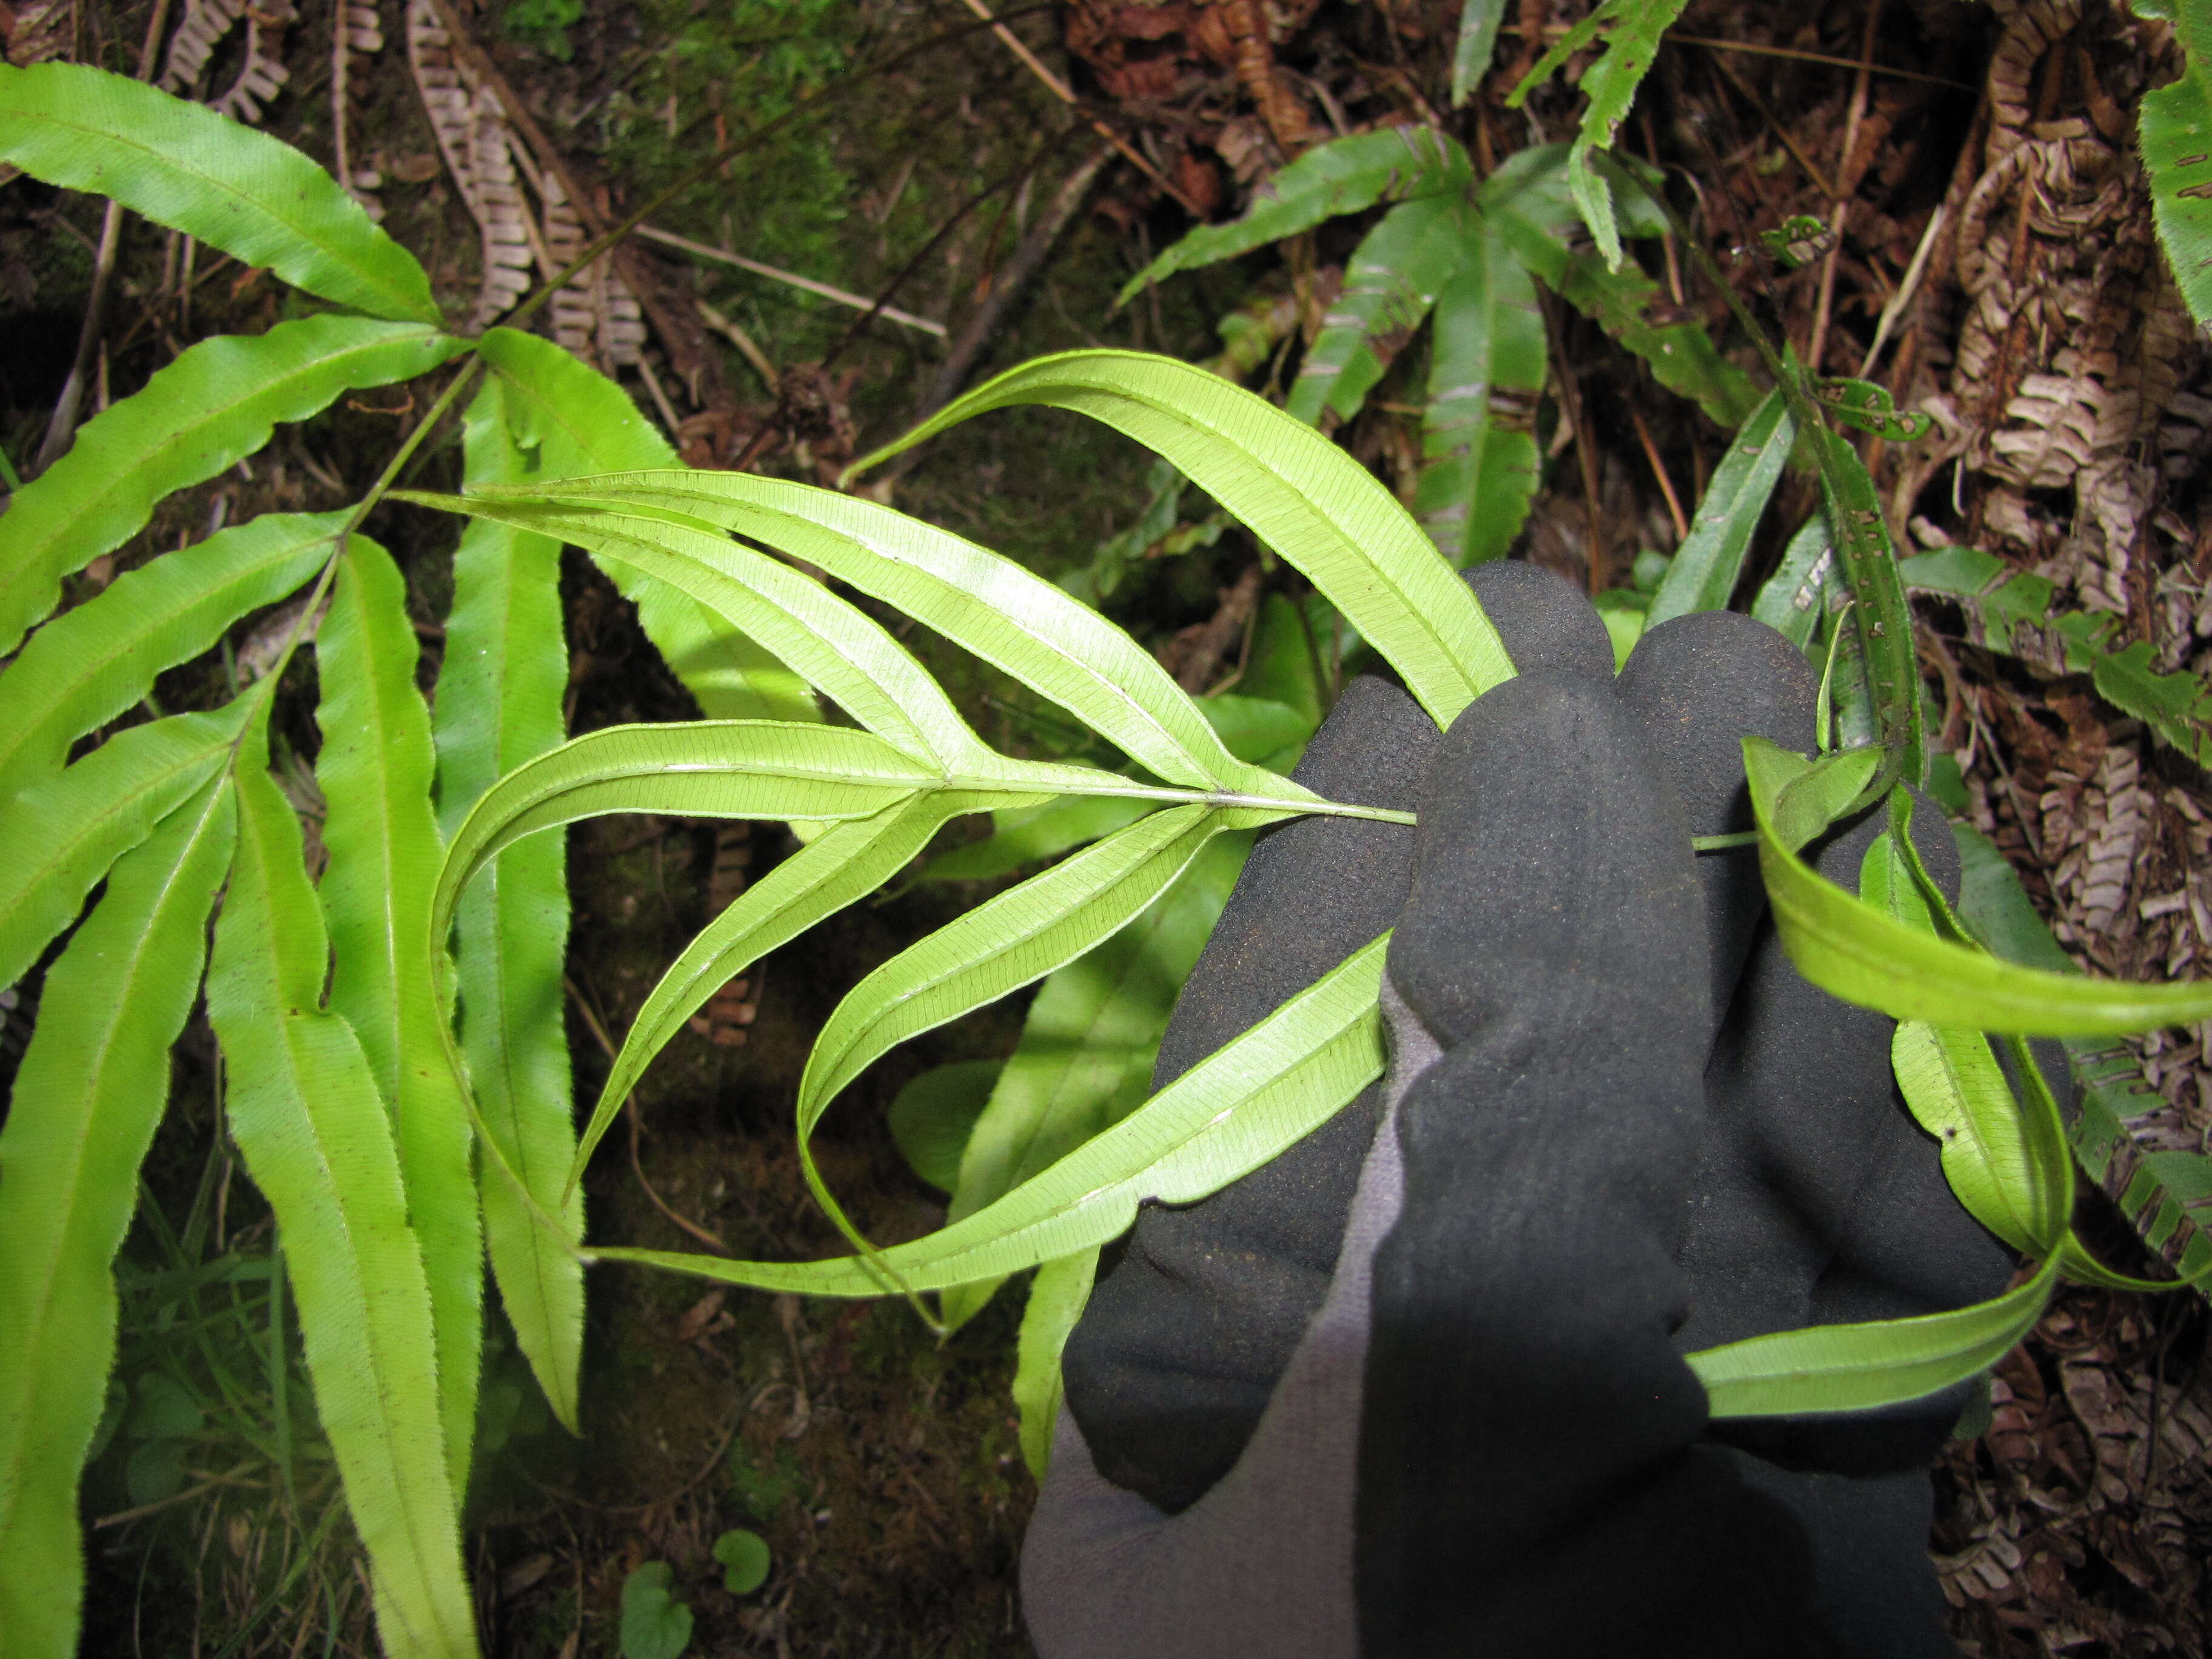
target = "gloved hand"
x: 1419, y: 1391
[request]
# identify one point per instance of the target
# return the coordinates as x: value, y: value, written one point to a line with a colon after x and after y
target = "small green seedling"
x: 744, y: 1558
x: 654, y: 1624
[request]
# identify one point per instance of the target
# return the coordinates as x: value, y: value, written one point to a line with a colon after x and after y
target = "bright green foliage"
x: 654, y: 1624
x: 183, y: 166
x: 2163, y: 1186
x: 499, y: 705
x: 744, y: 1558
x: 1856, y: 1367
x: 1705, y: 567
x: 1012, y: 618
x: 842, y: 866
x: 1028, y: 834
x: 1855, y: 953
x: 1631, y: 30
x: 1468, y: 254
x: 1998, y: 602
x: 87, y: 1095
x: 1337, y: 524
x: 211, y: 408
x: 1229, y: 1114
x: 569, y: 420
x: 2174, y: 127
x: 315, y: 1136
x: 1058, y: 1296
x: 65, y: 832
x: 374, y: 770
x: 1010, y: 941
x: 93, y: 662
x: 1392, y: 164
x: 1084, y: 1061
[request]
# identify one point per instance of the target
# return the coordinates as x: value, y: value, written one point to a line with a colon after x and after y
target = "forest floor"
x: 1979, y: 158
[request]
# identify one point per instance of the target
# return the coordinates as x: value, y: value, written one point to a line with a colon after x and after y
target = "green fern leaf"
x: 1302, y: 496
x: 90, y: 664
x: 212, y: 407
x: 572, y: 422
x: 1345, y: 175
x: 89, y: 1093
x: 181, y: 165
x: 499, y: 706
x: 64, y: 832
x: 374, y: 770
x: 1480, y: 467
x: 1390, y: 282
x: 1228, y: 1114
x: 315, y: 1137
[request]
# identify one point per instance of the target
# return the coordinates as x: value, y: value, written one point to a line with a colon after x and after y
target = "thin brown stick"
x: 1066, y: 93
x: 1812, y: 168
x: 857, y: 302
x: 1812, y: 57
x: 1816, y: 345
x: 1659, y: 472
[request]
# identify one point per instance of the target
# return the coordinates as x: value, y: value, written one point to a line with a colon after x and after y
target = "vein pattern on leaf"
x: 1302, y: 496
x: 982, y: 602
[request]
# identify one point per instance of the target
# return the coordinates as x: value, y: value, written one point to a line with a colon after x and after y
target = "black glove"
x: 1593, y: 1179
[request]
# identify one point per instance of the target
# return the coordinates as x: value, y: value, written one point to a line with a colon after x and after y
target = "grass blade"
x: 1302, y: 496
x: 90, y: 664
x: 830, y: 643
x: 1345, y: 175
x: 1480, y: 472
x: 306, y: 1118
x: 65, y: 832
x: 1084, y: 1061
x: 85, y: 1101
x: 1058, y: 1296
x: 1012, y: 618
x: 181, y: 165
x: 841, y: 867
x: 1223, y: 1118
x: 374, y: 769
x: 573, y: 421
x: 1709, y: 560
x: 212, y: 407
x: 1390, y: 282
x: 1855, y: 953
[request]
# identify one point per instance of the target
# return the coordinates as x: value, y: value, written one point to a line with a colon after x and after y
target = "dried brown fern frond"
x: 356, y: 31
